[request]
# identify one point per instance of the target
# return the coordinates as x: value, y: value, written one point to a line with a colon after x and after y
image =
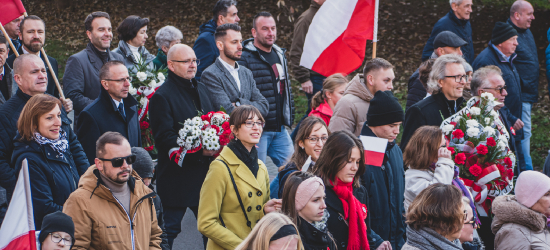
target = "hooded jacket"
x: 205, y: 47
x: 518, y: 227
x: 350, y: 113
x: 462, y: 28
x: 281, y: 108
x: 101, y: 222
x: 323, y: 111
x: 129, y: 59
x: 527, y: 64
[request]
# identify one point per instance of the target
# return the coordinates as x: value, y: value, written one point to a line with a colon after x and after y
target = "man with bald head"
x: 527, y: 65
x: 30, y: 75
x: 180, y: 175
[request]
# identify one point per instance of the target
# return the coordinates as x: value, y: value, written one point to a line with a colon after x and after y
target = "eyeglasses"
x: 499, y: 89
x: 118, y: 162
x: 197, y: 61
x: 314, y: 140
x: 129, y: 79
x: 56, y: 238
x: 459, y: 78
x: 250, y: 124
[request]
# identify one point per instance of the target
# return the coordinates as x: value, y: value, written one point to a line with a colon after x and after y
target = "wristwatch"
x: 237, y: 104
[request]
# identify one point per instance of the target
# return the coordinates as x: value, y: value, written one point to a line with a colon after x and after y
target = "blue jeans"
x: 277, y: 145
x: 526, y: 142
x: 172, y: 222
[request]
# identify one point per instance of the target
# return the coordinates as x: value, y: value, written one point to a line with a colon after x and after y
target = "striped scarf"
x: 59, y: 145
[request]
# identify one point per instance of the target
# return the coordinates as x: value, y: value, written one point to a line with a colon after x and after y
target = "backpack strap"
x: 248, y: 223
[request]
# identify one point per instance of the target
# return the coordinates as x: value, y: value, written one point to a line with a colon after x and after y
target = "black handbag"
x: 248, y: 223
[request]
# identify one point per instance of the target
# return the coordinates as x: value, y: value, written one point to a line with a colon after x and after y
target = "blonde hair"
x: 261, y: 234
x: 329, y: 85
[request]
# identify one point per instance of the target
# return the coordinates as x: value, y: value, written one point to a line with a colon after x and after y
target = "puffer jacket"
x: 527, y: 64
x: 101, y: 222
x: 350, y: 113
x: 517, y: 227
x: 129, y: 59
x: 281, y: 112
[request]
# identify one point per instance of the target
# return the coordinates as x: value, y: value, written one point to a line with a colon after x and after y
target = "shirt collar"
x: 507, y: 58
x: 117, y: 102
x: 3, y: 69
x: 228, y: 66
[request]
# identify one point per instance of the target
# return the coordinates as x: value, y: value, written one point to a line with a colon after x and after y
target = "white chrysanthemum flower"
x: 197, y: 121
x: 189, y: 140
x: 472, y: 123
x: 181, y: 142
x: 488, y: 96
x: 153, y: 84
x: 456, y: 119
x: 501, y: 145
x: 143, y: 101
x: 475, y: 111
x: 161, y: 77
x: 487, y: 121
x: 503, y: 139
x: 472, y: 132
x: 495, y: 115
x: 489, y: 131
x: 142, y: 76
x: 132, y: 90
x: 448, y: 128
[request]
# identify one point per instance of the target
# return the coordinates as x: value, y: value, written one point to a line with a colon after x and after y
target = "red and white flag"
x: 11, y: 9
x: 338, y: 34
x: 17, y: 231
x: 375, y: 149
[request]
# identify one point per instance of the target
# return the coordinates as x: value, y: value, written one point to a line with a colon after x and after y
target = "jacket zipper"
x: 129, y: 219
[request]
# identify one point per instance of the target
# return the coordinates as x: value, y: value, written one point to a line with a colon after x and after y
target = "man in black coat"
x: 12, y: 28
x: 7, y: 85
x: 81, y: 80
x: 30, y: 75
x: 445, y: 101
x: 114, y: 110
x: 385, y: 184
x: 269, y: 67
x: 179, y: 174
x: 33, y: 36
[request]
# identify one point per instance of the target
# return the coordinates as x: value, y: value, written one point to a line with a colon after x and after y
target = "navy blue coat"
x: 513, y: 101
x: 527, y: 64
x: 462, y: 28
x: 102, y: 116
x: 53, y: 177
x: 205, y: 47
x: 416, y: 91
x: 385, y: 188
x: 9, y: 114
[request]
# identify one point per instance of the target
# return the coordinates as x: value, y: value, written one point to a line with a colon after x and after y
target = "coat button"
x: 249, y: 209
x: 343, y: 245
x: 258, y: 207
x: 248, y: 223
x: 259, y: 193
x: 250, y: 194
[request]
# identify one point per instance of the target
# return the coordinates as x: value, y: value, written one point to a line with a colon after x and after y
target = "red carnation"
x: 460, y: 158
x: 501, y: 168
x: 510, y: 174
x: 216, y: 128
x: 508, y: 161
x: 452, y: 150
x: 475, y: 170
x: 150, y: 148
x: 482, y: 149
x: 144, y: 125
x: 225, y: 126
x: 491, y: 142
x: 458, y: 134
x: 205, y: 118
x: 453, y: 123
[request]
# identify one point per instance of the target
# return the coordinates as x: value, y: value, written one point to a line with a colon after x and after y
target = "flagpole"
x: 375, y: 30
x: 28, y: 196
x: 51, y: 69
x: 9, y: 40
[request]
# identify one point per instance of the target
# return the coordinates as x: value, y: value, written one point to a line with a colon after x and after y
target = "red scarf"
x: 355, y: 213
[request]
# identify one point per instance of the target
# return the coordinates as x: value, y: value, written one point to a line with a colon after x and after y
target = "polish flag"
x: 11, y: 9
x: 338, y: 34
x: 17, y: 231
x: 375, y: 149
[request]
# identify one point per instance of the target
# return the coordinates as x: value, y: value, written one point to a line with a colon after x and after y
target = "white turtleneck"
x: 135, y: 52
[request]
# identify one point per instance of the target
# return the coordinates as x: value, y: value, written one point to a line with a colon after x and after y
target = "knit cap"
x: 144, y: 163
x: 56, y: 222
x: 384, y: 109
x: 502, y: 32
x: 530, y: 187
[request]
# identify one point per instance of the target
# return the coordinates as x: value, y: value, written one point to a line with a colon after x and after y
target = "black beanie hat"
x: 56, y: 222
x: 502, y: 32
x: 144, y: 163
x: 384, y: 109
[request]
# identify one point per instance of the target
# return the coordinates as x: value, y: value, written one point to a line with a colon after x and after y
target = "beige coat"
x: 517, y: 227
x: 218, y: 198
x: 350, y: 113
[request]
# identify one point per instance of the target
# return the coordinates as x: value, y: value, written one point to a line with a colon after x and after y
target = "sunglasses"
x: 119, y: 161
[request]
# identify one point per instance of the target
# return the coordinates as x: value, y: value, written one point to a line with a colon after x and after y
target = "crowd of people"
x: 95, y: 187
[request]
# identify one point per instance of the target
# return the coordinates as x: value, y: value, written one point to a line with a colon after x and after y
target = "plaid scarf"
x: 59, y: 145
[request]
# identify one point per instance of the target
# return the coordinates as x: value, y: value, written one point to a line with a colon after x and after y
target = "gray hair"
x: 166, y: 35
x: 439, y: 70
x: 481, y: 76
x: 467, y: 67
x: 457, y: 2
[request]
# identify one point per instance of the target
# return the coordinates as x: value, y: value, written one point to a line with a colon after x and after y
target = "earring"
x: 302, y: 147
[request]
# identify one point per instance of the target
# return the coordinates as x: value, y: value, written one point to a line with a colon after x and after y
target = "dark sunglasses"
x: 118, y: 162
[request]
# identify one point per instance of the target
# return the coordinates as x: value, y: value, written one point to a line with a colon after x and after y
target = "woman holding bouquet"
x: 340, y: 166
x: 235, y: 193
x: 132, y: 33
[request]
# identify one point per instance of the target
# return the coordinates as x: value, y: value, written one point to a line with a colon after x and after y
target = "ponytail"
x: 318, y: 99
x: 330, y: 84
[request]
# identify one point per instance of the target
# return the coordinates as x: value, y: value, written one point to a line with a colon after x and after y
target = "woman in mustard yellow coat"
x: 235, y: 193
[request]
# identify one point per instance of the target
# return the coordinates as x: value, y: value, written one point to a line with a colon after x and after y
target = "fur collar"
x: 508, y: 210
